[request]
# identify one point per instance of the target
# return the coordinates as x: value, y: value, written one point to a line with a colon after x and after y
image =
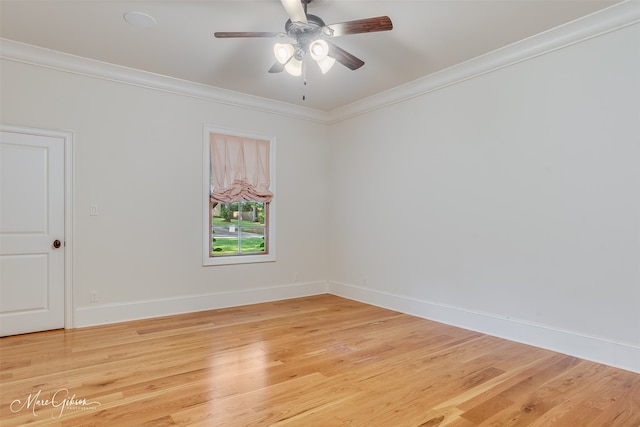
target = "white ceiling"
x: 428, y: 36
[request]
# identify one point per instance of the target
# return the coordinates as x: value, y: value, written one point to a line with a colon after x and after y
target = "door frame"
x: 67, y: 136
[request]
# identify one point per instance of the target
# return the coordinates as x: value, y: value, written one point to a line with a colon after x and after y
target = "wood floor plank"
x: 315, y: 361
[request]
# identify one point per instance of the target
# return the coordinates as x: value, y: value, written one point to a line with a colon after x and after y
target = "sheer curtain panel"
x: 240, y: 169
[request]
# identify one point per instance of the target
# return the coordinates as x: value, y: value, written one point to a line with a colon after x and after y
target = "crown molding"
x: 596, y: 24
x: 34, y: 55
x: 607, y: 20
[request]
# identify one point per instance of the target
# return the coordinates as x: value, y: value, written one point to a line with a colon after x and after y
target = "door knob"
x: 57, y: 243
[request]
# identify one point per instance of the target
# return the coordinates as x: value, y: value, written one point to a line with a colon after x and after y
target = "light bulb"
x: 283, y: 52
x: 319, y: 49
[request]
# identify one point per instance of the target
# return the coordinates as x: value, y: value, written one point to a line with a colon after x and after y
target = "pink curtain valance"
x: 240, y: 169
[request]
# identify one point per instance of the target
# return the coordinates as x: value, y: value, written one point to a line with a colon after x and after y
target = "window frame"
x: 270, y: 226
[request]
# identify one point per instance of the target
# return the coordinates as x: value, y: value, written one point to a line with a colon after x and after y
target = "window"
x: 239, y: 228
x: 239, y: 213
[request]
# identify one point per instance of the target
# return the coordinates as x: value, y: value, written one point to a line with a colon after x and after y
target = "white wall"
x: 507, y: 203
x: 138, y: 156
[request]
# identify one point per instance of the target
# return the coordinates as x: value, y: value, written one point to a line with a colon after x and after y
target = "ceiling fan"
x: 311, y: 36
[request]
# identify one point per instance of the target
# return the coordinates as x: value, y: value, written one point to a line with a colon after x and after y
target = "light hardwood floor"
x: 316, y: 361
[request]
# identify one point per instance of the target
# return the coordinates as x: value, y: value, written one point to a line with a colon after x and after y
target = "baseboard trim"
x: 619, y: 355
x: 94, y: 315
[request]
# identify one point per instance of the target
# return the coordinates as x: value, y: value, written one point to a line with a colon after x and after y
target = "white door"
x: 31, y: 233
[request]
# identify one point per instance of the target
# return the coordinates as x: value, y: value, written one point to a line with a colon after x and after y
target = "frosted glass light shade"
x: 319, y: 51
x: 283, y: 51
x: 326, y: 64
x: 294, y: 67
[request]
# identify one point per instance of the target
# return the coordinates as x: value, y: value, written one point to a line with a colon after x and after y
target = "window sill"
x: 237, y: 259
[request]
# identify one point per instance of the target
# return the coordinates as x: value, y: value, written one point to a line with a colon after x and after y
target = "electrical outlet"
x: 94, y: 296
x: 296, y: 276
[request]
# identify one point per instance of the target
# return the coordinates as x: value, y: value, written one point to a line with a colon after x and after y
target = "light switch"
x: 93, y: 210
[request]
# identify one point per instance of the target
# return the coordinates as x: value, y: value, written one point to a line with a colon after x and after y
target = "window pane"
x: 224, y: 230
x: 252, y: 228
x: 238, y: 228
x: 252, y: 240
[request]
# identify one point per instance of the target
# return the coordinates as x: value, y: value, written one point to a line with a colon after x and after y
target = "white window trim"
x: 206, y: 185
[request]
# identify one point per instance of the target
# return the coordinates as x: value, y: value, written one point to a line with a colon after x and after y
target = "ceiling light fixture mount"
x: 139, y: 19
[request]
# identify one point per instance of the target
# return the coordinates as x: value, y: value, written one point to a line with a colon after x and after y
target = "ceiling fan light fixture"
x: 294, y: 67
x: 283, y: 52
x: 310, y: 34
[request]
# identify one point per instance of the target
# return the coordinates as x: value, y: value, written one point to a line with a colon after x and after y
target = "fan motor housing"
x: 305, y: 32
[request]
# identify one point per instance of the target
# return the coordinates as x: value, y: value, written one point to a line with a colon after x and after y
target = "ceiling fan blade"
x: 277, y: 68
x: 344, y: 57
x: 367, y: 25
x: 295, y: 10
x: 230, y: 34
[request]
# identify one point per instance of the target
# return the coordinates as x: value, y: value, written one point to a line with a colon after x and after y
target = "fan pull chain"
x: 304, y: 78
